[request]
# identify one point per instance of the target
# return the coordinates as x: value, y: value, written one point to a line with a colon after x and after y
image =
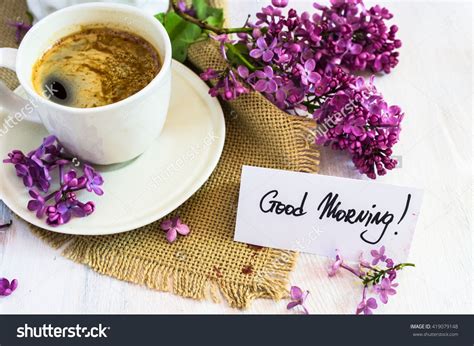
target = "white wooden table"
x: 433, y: 86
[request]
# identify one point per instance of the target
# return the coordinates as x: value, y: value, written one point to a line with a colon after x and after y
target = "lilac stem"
x: 51, y: 195
x: 350, y: 269
x: 8, y: 224
x: 60, y: 174
x: 204, y: 25
x: 223, y: 52
x: 378, y: 274
x: 242, y: 59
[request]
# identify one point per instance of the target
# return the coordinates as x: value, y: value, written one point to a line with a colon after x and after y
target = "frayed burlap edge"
x: 167, y: 279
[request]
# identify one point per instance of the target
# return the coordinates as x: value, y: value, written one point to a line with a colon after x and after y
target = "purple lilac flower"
x: 384, y: 289
x: 94, y: 180
x: 302, y: 63
x: 15, y: 157
x: 392, y: 274
x: 70, y: 180
x: 339, y: 264
x: 222, y: 38
x: 183, y: 7
x: 268, y: 15
x: 62, y: 204
x: 265, y: 81
x: 48, y: 142
x: 298, y: 298
x: 263, y: 50
x: 37, y: 204
x: 7, y: 287
x: 60, y: 214
x: 279, y: 3
x: 366, y: 127
x: 21, y: 29
x: 377, y: 279
x: 173, y: 227
x: 378, y: 255
x: 389, y: 263
x: 366, y: 306
x: 336, y: 265
x: 359, y: 37
x: 63, y: 211
x: 308, y: 75
x: 209, y: 74
x: 227, y: 86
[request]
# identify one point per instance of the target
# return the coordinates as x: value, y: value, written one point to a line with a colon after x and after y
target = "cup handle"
x: 10, y: 101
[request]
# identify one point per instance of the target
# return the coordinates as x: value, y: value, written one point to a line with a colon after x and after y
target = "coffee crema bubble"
x: 57, y: 90
x: 95, y: 67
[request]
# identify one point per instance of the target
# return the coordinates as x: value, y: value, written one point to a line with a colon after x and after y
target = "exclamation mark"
x: 406, y: 208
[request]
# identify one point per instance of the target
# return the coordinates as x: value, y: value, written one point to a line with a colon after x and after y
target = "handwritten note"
x: 319, y: 214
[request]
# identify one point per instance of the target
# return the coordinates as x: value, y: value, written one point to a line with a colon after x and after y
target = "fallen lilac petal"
x: 298, y: 298
x: 7, y: 287
x: 173, y: 227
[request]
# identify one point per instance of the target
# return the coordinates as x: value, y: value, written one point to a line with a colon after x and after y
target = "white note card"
x: 319, y: 214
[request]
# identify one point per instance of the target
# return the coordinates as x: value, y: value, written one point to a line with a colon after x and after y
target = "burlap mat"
x: 208, y: 261
x: 10, y: 10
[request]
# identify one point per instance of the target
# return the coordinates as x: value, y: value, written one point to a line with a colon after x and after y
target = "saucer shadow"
x: 115, y: 166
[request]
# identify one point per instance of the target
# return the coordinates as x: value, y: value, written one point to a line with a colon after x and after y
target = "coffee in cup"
x: 94, y: 67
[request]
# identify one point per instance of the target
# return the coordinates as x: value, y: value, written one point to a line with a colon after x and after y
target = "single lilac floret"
x: 298, y: 298
x: 173, y: 227
x: 94, y: 180
x: 7, y: 287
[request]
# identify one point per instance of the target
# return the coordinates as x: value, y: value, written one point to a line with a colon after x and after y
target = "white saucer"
x: 144, y: 190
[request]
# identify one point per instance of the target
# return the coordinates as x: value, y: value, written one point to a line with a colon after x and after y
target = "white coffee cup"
x: 103, y: 135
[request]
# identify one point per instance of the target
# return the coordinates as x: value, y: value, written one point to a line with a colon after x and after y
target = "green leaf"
x: 237, y: 52
x: 215, y: 17
x: 181, y: 33
x: 215, y: 21
x: 210, y: 15
x: 201, y: 8
x: 161, y: 17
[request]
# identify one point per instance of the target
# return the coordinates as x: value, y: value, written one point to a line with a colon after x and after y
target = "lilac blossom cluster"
x: 362, y: 124
x: 357, y: 38
x: 303, y: 64
x: 36, y: 169
x: 377, y: 277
